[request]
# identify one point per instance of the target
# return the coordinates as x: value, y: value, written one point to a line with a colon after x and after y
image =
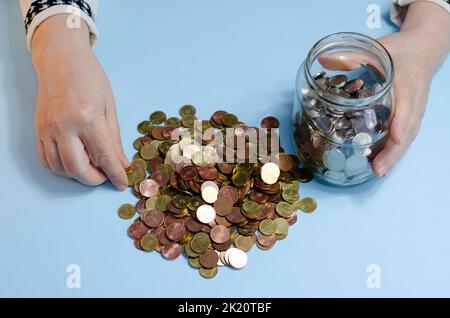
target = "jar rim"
x: 343, y: 101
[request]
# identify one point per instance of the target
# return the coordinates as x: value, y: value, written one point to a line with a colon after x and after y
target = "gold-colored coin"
x: 187, y: 110
x: 144, y: 127
x: 126, y: 211
x: 284, y: 209
x: 251, y: 207
x: 282, y: 226
x: 133, y: 177
x: 308, y: 205
x: 267, y: 227
x: 138, y: 144
x: 149, y: 242
x: 188, y: 121
x: 193, y: 261
x: 148, y: 151
x: 158, y: 117
x: 230, y: 120
x: 208, y: 273
x: 240, y: 178
x: 243, y: 242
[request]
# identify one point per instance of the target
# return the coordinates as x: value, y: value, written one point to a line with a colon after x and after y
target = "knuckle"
x: 102, y: 159
x: 85, y: 116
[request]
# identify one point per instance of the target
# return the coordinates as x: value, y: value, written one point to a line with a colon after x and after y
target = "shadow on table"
x: 19, y: 89
x: 283, y: 110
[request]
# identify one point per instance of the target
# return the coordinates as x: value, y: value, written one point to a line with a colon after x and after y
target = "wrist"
x: 55, y: 34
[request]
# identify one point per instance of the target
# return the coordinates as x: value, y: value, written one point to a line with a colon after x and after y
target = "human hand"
x: 77, y: 131
x: 416, y: 51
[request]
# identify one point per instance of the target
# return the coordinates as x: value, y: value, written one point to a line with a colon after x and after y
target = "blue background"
x: 241, y: 56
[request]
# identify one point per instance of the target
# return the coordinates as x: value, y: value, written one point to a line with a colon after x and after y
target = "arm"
x: 77, y: 132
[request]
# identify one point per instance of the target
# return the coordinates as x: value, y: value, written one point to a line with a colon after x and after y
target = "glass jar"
x: 343, y: 107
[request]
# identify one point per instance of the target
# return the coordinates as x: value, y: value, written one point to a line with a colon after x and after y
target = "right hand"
x: 77, y: 131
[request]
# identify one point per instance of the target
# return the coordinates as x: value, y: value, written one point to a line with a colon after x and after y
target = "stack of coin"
x: 338, y: 143
x: 213, y: 210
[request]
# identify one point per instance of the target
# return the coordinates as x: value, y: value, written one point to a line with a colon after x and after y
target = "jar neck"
x: 357, y: 43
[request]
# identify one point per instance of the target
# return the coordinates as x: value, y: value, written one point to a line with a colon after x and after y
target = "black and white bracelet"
x: 39, y: 6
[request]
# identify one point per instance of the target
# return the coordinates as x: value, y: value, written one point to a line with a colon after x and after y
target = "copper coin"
x: 223, y: 206
x: 153, y: 218
x: 149, y: 188
x: 354, y: 85
x: 154, y: 163
x: 137, y: 244
x: 137, y: 230
x: 207, y: 172
x: 171, y: 252
x: 161, y: 177
x: 157, y: 133
x: 217, y: 117
x: 286, y: 162
x: 292, y: 219
x: 270, y: 122
x: 170, y: 219
x: 176, y: 232
x: 230, y: 193
x: 174, y: 209
x: 222, y: 247
x: 220, y: 220
x: 146, y: 139
x: 220, y: 234
x: 225, y: 168
x: 235, y: 216
x: 206, y: 229
x: 195, y: 186
x: 258, y: 197
x: 189, y: 173
x: 338, y: 80
x: 208, y: 259
x: 167, y: 131
x: 157, y: 230
x: 266, y: 241
x: 163, y: 239
x: 193, y: 225
x: 140, y: 205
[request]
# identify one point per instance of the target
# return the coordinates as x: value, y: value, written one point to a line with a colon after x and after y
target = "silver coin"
x: 356, y: 164
x: 361, y: 139
x: 334, y: 160
x: 337, y: 176
x: 339, y: 136
x: 370, y: 118
x: 343, y: 123
x: 359, y: 125
x: 324, y: 124
x: 362, y: 176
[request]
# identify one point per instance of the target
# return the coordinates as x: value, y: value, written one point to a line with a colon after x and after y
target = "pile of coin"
x: 193, y: 201
x: 336, y: 142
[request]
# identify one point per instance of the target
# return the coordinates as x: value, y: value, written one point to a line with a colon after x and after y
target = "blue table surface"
x: 241, y: 56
